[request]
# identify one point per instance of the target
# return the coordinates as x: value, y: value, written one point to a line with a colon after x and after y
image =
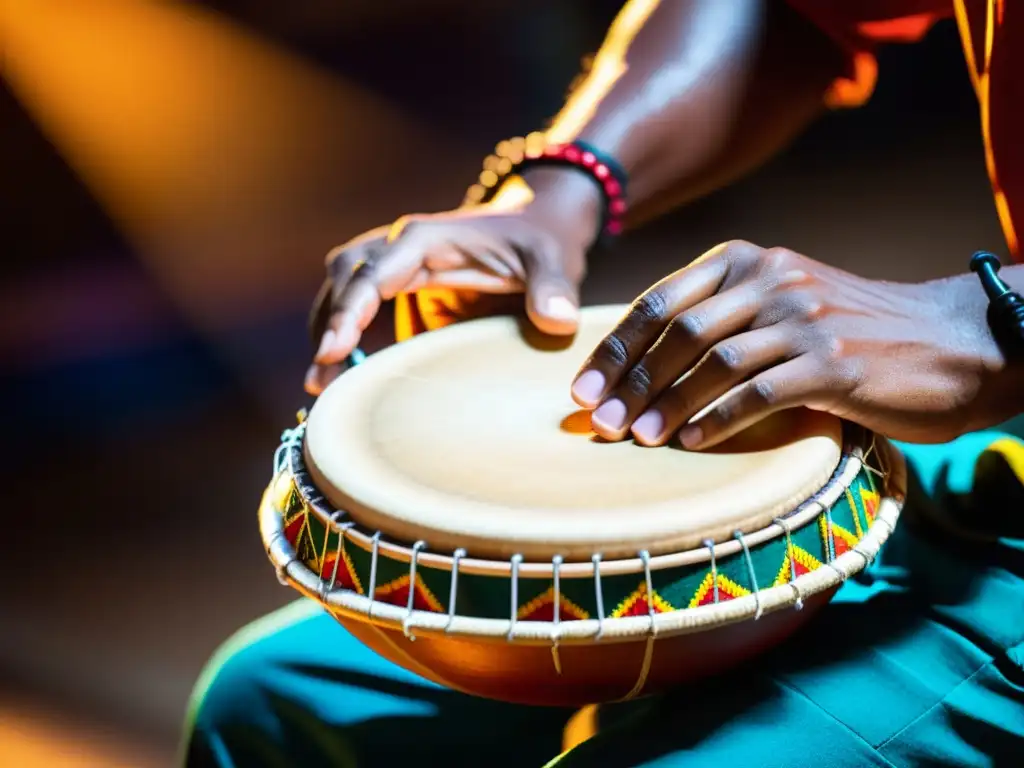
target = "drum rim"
x: 852, y: 461
x: 350, y: 604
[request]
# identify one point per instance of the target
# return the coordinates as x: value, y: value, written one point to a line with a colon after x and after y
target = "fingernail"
x: 560, y: 308
x: 312, y: 381
x: 611, y: 415
x: 326, y: 342
x: 649, y: 426
x: 589, y: 387
x: 691, y: 436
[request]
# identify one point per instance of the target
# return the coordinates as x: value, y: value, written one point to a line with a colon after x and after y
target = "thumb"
x: 553, y: 289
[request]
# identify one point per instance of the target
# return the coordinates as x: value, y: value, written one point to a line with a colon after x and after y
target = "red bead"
x: 612, y: 188
x: 588, y: 159
x: 613, y: 228
x: 552, y: 151
x: 571, y: 154
x: 601, y: 171
x: 617, y: 207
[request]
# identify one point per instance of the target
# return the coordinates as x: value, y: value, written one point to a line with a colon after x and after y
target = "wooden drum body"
x: 458, y: 517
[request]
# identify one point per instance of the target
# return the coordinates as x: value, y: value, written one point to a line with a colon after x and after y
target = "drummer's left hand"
x: 775, y: 330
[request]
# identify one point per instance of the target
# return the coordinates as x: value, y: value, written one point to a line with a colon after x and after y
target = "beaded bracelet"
x: 512, y: 156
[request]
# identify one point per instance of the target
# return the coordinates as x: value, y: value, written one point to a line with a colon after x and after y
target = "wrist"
x: 971, y: 341
x: 561, y: 199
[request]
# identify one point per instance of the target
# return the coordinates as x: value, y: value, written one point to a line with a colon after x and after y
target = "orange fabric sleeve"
x: 860, y: 27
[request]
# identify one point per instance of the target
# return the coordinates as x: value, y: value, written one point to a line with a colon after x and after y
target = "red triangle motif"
x: 840, y: 545
x: 293, y: 529
x: 724, y: 593
x: 727, y: 590
x: 841, y: 539
x: 546, y: 612
x: 542, y: 608
x: 397, y: 593
x: 870, y: 501
x: 346, y: 577
x: 708, y: 597
x: 798, y: 561
x: 637, y: 604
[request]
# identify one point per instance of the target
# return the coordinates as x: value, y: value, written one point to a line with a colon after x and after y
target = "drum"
x: 448, y: 503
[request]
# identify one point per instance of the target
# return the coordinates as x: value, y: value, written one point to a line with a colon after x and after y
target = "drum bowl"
x: 563, y: 633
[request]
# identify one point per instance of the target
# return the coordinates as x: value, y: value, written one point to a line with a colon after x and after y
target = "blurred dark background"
x: 172, y: 174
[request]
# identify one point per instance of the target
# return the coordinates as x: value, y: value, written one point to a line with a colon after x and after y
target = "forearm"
x: 690, y: 94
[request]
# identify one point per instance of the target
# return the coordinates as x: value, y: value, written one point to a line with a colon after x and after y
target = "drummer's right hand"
x: 518, y: 244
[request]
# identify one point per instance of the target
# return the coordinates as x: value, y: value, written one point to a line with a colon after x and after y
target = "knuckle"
x: 365, y: 268
x: 688, y: 327
x: 764, y: 391
x: 335, y: 254
x: 834, y: 352
x: 801, y: 307
x: 724, y: 412
x: 778, y: 259
x: 613, y: 350
x: 845, y: 374
x: 651, y: 307
x: 639, y: 381
x: 345, y: 262
x: 737, y: 250
x: 727, y: 357
x: 807, y: 307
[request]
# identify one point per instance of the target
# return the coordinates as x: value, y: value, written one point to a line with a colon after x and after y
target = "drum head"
x: 468, y: 437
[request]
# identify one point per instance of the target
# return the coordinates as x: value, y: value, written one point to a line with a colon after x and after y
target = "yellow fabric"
x: 434, y: 308
x: 1012, y: 451
x: 580, y: 727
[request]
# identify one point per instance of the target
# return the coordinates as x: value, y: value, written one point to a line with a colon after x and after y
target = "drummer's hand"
x: 517, y: 244
x: 776, y: 330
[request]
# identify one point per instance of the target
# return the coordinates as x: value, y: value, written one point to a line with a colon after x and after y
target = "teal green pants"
x: 918, y: 662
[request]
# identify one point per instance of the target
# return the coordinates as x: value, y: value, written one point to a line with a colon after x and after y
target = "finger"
x: 375, y: 280
x: 726, y: 365
x: 646, y: 319
x: 683, y: 342
x: 552, y: 290
x: 319, y: 376
x: 801, y: 381
x: 477, y: 262
x: 444, y: 256
x: 472, y: 280
x: 487, y: 256
x: 343, y: 261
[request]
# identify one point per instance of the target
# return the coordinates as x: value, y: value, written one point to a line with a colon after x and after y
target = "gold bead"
x: 488, y: 178
x: 535, y: 143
